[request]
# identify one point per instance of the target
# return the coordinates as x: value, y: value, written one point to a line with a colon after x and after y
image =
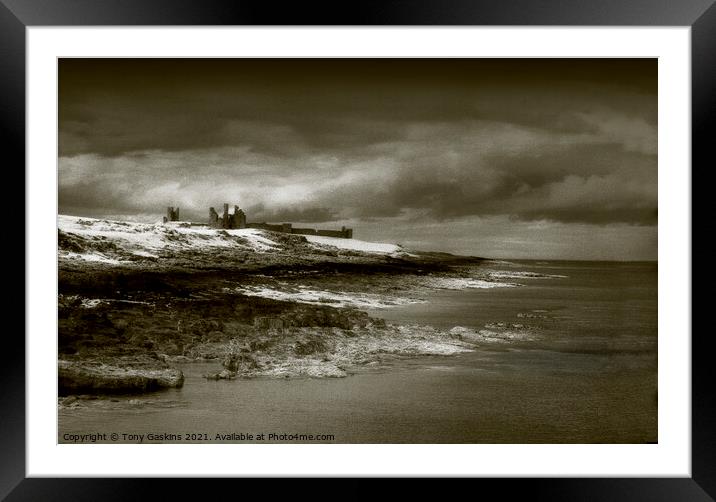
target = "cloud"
x: 297, y: 214
x: 445, y: 170
x: 493, y: 170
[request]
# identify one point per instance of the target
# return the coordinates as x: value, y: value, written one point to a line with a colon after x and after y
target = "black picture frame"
x: 700, y: 15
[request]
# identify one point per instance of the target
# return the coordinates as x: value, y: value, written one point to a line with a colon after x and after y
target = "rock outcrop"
x: 76, y: 377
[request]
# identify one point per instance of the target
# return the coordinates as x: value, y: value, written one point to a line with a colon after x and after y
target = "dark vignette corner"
x: 12, y: 136
x: 703, y: 54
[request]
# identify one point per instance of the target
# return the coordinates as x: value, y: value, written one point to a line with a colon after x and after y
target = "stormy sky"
x: 509, y: 158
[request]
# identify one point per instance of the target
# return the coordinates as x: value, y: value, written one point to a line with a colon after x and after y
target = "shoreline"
x: 282, y: 327
x: 261, y: 304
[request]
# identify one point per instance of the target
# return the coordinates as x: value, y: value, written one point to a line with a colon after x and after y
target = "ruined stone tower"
x: 172, y: 214
x: 213, y: 218
x: 239, y: 218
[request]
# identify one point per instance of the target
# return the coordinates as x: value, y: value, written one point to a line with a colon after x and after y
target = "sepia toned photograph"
x: 357, y: 251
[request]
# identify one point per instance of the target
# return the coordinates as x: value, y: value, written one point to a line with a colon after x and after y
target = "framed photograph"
x: 420, y: 242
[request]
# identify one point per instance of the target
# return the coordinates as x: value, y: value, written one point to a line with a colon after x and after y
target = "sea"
x: 571, y: 358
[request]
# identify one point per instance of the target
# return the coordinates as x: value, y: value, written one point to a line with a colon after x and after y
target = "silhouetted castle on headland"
x: 237, y: 219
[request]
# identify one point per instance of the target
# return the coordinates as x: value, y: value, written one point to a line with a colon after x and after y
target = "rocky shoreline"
x: 115, y: 347
x: 143, y: 299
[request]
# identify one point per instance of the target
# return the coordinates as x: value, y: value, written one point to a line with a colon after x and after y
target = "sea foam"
x: 510, y: 274
x: 304, y: 294
x: 467, y: 283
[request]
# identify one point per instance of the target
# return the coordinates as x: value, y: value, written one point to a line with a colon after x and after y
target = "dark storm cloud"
x: 324, y: 140
x: 115, y: 106
x: 593, y: 183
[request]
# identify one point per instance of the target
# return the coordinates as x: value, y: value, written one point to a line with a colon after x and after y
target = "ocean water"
x: 568, y: 357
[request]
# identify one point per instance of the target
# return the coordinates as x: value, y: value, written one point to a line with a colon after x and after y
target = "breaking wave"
x: 467, y: 283
x: 509, y: 274
x: 304, y: 294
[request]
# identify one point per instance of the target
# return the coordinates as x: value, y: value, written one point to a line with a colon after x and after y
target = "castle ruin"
x: 236, y: 218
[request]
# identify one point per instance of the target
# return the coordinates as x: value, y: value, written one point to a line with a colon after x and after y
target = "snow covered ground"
x: 114, y: 242
x: 148, y: 240
x: 354, y: 244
